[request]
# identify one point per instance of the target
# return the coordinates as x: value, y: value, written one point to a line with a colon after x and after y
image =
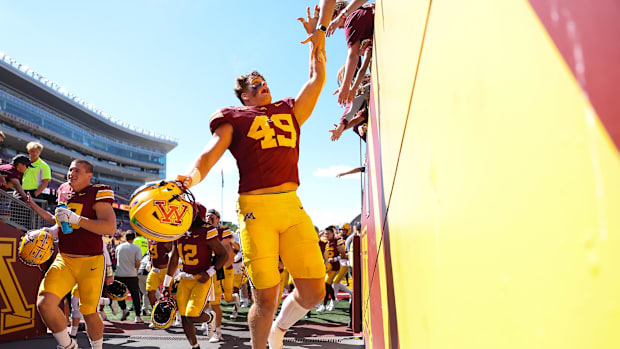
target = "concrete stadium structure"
x: 34, y: 108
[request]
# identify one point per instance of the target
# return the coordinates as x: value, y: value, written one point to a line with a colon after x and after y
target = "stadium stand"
x: 35, y: 108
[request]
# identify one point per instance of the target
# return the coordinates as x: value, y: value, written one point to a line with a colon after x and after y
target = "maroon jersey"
x: 265, y: 143
x: 224, y: 232
x: 332, y: 252
x: 82, y: 241
x: 9, y: 171
x: 158, y: 253
x: 193, y: 249
x: 360, y: 25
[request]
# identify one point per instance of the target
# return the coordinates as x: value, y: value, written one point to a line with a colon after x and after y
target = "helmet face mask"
x: 163, y: 313
x: 36, y: 247
x: 117, y: 291
x: 161, y: 211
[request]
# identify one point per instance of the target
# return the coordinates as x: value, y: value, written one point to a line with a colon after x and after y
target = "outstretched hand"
x: 335, y: 24
x: 336, y: 132
x: 317, y: 37
x: 310, y: 24
x: 345, y: 96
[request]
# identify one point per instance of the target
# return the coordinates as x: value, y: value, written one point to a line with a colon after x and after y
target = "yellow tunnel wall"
x: 499, y: 188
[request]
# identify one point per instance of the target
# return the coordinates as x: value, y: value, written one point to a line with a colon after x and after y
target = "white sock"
x: 96, y: 344
x: 290, y: 313
x: 340, y: 287
x: 104, y: 301
x: 73, y: 330
x: 62, y: 338
x: 236, y: 300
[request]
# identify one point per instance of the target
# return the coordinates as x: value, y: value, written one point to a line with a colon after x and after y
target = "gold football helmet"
x: 161, y: 211
x: 163, y: 313
x: 117, y: 291
x: 36, y: 247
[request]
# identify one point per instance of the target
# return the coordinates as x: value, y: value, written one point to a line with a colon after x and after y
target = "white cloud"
x: 332, y: 171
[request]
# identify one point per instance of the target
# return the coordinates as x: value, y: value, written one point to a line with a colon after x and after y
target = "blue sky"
x: 166, y: 66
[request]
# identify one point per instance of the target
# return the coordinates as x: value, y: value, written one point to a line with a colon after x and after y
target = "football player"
x: 195, y: 288
x: 226, y: 237
x: 158, y: 252
x: 263, y: 136
x: 344, y: 265
x: 89, y: 211
x: 333, y: 250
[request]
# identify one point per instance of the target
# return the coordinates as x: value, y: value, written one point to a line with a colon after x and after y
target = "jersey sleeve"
x: 104, y: 193
x: 222, y: 116
x: 211, y: 231
x: 227, y: 233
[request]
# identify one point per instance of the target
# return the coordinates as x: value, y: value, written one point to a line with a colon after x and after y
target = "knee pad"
x: 75, y: 308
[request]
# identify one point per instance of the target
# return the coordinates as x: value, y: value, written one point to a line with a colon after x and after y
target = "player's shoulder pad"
x: 211, y: 231
x: 103, y: 192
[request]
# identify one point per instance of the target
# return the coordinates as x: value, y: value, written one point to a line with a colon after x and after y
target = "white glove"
x: 66, y: 215
x: 237, y: 267
x: 52, y: 230
x: 185, y: 276
x: 155, y: 270
x: 211, y: 271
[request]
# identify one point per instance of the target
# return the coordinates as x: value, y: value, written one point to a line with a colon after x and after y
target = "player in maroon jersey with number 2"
x: 263, y: 136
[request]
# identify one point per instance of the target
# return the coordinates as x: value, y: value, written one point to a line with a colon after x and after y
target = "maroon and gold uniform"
x: 158, y: 253
x: 193, y: 296
x: 265, y: 143
x: 333, y: 262
x: 225, y: 284
x: 81, y: 258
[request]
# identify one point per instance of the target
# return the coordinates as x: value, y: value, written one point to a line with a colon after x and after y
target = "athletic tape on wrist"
x: 195, y: 175
x: 167, y: 280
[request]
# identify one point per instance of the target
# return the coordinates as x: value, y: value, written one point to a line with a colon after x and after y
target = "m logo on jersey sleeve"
x: 171, y: 214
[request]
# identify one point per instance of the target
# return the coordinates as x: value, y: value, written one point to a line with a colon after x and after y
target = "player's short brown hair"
x: 243, y: 82
x: 87, y: 165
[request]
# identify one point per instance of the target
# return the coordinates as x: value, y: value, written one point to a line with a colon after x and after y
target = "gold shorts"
x: 153, y: 280
x: 343, y: 270
x: 226, y: 284
x: 276, y: 225
x: 193, y: 297
x: 87, y: 272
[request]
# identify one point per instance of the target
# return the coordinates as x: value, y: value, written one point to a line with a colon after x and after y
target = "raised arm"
x: 48, y: 217
x: 318, y: 36
x: 310, y: 92
x: 345, y: 96
x: 212, y: 152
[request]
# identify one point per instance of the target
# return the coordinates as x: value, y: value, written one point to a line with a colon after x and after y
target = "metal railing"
x: 18, y: 214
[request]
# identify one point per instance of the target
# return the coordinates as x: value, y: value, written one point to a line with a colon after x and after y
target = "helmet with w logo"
x: 161, y: 211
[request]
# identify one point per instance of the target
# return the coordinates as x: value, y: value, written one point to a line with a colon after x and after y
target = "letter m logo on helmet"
x: 171, y: 214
